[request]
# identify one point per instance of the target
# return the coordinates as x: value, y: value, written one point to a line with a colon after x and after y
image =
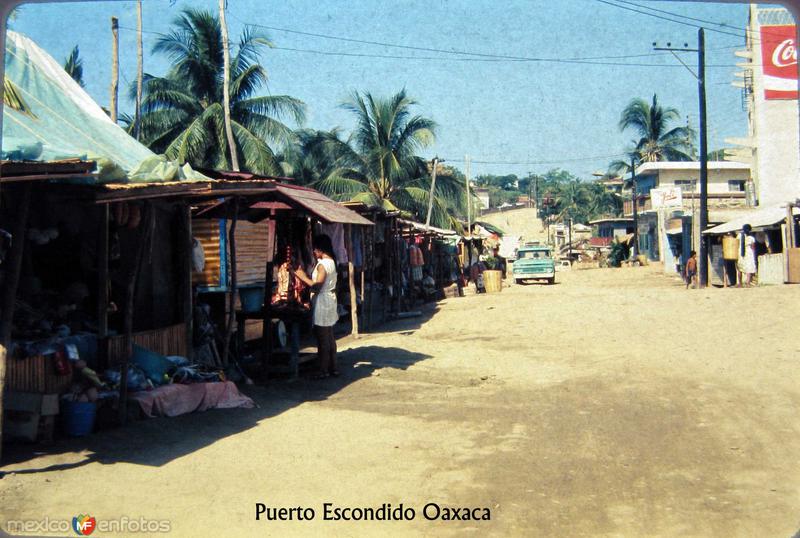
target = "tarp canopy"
x: 757, y: 218
x: 55, y: 119
x: 422, y: 228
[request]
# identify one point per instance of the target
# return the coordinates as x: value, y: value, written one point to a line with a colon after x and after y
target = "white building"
x: 769, y: 83
x: 668, y: 234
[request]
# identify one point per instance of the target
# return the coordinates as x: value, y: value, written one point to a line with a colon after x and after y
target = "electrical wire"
x: 578, y: 159
x: 578, y: 60
x: 618, y: 6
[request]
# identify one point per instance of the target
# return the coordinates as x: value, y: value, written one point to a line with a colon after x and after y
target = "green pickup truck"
x: 534, y: 263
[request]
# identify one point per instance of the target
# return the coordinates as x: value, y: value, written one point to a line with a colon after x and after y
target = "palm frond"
x: 12, y: 98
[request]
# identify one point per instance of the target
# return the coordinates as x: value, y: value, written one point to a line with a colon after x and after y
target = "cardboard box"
x: 29, y: 416
x: 30, y: 402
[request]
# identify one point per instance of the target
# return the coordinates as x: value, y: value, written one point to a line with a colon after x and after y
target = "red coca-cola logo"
x: 785, y: 54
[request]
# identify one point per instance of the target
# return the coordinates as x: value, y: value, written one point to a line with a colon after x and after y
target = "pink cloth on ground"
x: 177, y: 399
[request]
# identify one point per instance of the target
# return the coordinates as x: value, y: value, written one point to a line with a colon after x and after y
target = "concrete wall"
x: 717, y: 179
x: 773, y: 128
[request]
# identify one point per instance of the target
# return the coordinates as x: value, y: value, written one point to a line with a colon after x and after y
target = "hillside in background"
x: 522, y: 222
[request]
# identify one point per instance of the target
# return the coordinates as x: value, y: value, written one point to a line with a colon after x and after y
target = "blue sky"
x: 527, y: 116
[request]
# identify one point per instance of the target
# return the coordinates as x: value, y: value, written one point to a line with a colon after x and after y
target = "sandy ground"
x: 615, y: 403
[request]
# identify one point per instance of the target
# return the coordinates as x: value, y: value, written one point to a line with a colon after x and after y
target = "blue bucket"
x: 251, y: 297
x: 79, y: 417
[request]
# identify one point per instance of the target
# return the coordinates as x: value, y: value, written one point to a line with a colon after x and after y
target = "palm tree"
x: 657, y: 142
x: 73, y: 65
x: 182, y: 112
x: 378, y: 164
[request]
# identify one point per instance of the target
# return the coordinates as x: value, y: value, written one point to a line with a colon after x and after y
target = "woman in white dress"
x: 747, y: 256
x: 323, y: 303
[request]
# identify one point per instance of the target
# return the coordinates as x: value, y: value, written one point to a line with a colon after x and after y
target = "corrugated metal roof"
x: 774, y: 16
x: 321, y: 206
x: 758, y: 218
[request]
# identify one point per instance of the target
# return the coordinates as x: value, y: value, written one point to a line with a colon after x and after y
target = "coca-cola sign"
x: 779, y: 60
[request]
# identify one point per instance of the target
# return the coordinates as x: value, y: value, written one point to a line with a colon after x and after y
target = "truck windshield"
x: 534, y: 254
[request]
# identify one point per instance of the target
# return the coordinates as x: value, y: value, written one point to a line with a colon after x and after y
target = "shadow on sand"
x: 157, y: 441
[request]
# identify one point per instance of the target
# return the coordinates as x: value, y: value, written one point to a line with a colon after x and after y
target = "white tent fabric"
x: 757, y: 218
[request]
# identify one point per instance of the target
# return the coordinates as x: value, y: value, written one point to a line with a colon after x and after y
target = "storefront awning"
x: 257, y: 205
x: 320, y: 205
x: 757, y: 218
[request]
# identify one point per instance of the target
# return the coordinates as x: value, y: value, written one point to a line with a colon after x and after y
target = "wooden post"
x: 130, y: 303
x: 234, y: 282
x: 348, y: 241
x: 2, y: 389
x: 226, y: 97
x: 10, y: 289
x: 102, y: 285
x: 266, y: 327
x: 114, y: 68
x: 186, y: 292
x: 14, y: 265
x: 137, y: 125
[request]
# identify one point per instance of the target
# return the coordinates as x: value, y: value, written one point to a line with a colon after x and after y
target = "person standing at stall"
x: 323, y: 303
x: 747, y: 256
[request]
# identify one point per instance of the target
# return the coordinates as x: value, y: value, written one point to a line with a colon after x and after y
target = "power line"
x: 491, y: 60
x: 720, y: 24
x: 578, y: 159
x: 593, y: 60
x: 673, y: 14
x: 618, y: 6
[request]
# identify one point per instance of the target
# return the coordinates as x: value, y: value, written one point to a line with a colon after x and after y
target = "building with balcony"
x: 668, y: 234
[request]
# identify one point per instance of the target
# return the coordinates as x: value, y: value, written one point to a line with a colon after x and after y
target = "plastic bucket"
x: 79, y: 418
x: 252, y: 298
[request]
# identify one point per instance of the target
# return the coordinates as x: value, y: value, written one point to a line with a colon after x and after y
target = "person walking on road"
x: 691, y: 270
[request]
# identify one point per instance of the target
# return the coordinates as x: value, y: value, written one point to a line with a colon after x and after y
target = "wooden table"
x: 293, y: 318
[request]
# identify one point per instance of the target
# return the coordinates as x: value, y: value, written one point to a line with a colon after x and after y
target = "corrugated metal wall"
x: 252, y: 242
x: 207, y: 232
x: 252, y: 245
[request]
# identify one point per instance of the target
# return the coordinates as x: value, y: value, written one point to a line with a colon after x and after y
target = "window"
x: 686, y: 185
x: 736, y: 185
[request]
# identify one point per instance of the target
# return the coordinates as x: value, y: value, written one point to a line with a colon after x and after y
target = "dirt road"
x: 615, y: 403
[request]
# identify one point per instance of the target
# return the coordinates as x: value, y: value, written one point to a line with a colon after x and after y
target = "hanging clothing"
x: 415, y: 256
x: 357, y: 238
x: 324, y: 301
x: 336, y: 233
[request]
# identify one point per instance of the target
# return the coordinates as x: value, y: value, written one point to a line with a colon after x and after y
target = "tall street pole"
x: 701, y: 87
x: 469, y: 199
x: 430, y: 197
x: 114, y: 68
x: 635, y: 198
x: 702, y: 266
x: 137, y: 118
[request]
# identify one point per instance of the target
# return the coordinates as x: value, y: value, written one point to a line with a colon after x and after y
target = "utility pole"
x: 702, y: 266
x: 137, y: 120
x: 635, y: 198
x: 701, y: 88
x: 430, y: 197
x: 226, y: 97
x: 469, y: 199
x: 114, y: 68
x: 570, y: 239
